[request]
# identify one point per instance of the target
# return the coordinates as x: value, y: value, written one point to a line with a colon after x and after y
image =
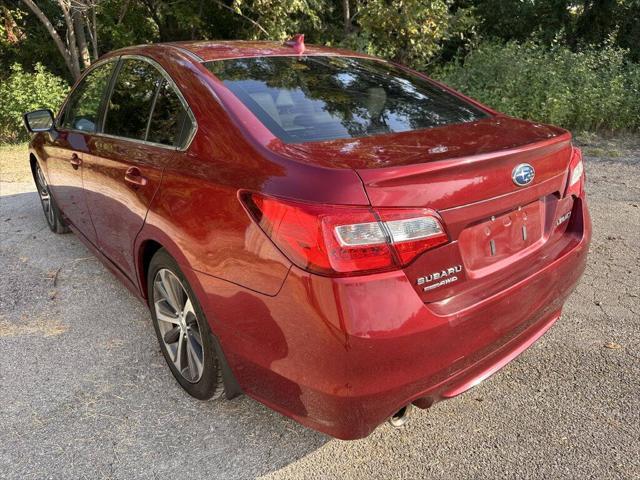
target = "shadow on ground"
x: 88, y: 387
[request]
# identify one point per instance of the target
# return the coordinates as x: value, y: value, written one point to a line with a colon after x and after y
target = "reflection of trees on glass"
x: 130, y: 103
x: 170, y: 123
x: 323, y: 97
x: 82, y: 110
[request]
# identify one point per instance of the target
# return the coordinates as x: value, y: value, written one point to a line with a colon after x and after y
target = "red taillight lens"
x: 344, y: 240
x: 575, y: 183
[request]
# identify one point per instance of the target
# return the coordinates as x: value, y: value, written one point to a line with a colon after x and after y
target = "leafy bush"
x: 25, y: 91
x: 596, y: 89
x: 390, y: 31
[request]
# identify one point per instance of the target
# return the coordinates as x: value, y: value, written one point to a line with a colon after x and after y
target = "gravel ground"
x: 86, y: 393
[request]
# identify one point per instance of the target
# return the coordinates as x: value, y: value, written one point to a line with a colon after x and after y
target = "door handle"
x: 135, y: 178
x: 75, y: 161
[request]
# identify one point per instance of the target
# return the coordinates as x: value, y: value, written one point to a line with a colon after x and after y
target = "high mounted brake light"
x: 297, y: 43
x: 575, y: 182
x: 340, y: 240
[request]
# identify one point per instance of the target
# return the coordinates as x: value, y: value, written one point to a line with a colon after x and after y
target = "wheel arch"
x: 149, y: 241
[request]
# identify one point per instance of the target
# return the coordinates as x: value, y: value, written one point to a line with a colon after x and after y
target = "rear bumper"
x: 342, y: 355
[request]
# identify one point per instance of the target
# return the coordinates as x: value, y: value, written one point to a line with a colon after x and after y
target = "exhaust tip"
x: 401, y: 417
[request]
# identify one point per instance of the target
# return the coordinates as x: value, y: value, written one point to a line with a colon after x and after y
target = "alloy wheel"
x: 178, y: 325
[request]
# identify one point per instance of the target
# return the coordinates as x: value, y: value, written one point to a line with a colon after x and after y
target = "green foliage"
x: 408, y: 31
x: 596, y: 89
x: 24, y: 91
x: 574, y: 65
x: 34, y: 44
x: 283, y: 19
x: 572, y: 23
x: 116, y: 26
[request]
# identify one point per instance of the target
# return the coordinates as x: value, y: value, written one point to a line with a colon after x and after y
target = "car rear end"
x: 474, y: 236
x: 439, y: 298
x: 514, y: 255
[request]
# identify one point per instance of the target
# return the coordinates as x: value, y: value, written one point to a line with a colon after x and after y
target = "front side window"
x: 83, y: 108
x: 314, y: 98
x: 131, y: 100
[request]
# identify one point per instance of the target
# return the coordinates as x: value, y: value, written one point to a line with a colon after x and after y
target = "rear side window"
x: 303, y: 99
x: 170, y: 123
x: 83, y: 108
x: 144, y: 105
x: 131, y: 100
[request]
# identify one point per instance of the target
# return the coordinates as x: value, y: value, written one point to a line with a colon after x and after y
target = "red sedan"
x: 337, y: 236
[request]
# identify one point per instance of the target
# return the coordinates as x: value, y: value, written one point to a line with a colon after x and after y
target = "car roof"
x: 209, y: 50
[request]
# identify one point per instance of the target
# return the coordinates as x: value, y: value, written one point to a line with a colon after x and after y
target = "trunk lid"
x: 488, y: 135
x: 500, y: 232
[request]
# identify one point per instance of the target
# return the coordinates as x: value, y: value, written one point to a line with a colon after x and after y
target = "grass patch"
x: 14, y: 163
x: 602, y: 152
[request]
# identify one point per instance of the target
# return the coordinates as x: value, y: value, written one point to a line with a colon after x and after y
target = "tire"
x: 182, y: 329
x: 52, y: 213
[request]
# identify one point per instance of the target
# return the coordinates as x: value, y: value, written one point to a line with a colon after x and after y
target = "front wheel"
x: 182, y: 329
x: 51, y: 212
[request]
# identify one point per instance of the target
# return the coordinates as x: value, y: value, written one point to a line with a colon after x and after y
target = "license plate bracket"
x: 501, y: 237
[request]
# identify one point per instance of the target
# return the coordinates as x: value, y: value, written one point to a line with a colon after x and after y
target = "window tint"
x: 313, y: 98
x: 170, y: 124
x: 83, y: 108
x: 131, y: 100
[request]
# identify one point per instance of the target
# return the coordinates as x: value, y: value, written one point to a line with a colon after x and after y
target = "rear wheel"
x: 182, y: 329
x: 51, y: 212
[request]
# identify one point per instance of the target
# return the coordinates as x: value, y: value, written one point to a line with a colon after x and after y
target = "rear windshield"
x: 314, y: 98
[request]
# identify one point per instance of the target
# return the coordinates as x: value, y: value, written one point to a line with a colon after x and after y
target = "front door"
x: 64, y: 166
x: 66, y: 148
x: 124, y: 164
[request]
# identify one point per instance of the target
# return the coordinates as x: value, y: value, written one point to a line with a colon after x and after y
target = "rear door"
x: 76, y: 126
x: 146, y: 125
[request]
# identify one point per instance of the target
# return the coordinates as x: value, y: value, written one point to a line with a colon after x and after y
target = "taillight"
x: 340, y: 240
x: 575, y: 183
x: 412, y: 231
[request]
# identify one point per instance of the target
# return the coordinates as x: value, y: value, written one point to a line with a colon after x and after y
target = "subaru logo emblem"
x: 523, y: 174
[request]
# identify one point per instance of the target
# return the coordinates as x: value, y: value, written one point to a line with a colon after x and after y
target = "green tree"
x: 80, y: 30
x: 278, y: 20
x: 407, y: 31
x: 22, y: 92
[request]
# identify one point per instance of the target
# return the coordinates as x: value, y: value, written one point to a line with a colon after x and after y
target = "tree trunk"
x: 81, y: 37
x: 73, y: 67
x: 93, y: 31
x: 71, y: 36
x: 346, y: 15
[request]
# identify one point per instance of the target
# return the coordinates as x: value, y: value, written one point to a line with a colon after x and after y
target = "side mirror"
x: 38, y: 121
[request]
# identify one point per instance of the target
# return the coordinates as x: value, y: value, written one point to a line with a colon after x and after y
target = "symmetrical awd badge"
x: 523, y: 174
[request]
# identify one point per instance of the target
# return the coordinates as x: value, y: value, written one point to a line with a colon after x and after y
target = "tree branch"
x: 75, y: 73
x: 123, y: 11
x: 220, y: 4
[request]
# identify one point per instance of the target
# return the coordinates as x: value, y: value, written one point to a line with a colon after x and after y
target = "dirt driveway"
x: 86, y: 394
